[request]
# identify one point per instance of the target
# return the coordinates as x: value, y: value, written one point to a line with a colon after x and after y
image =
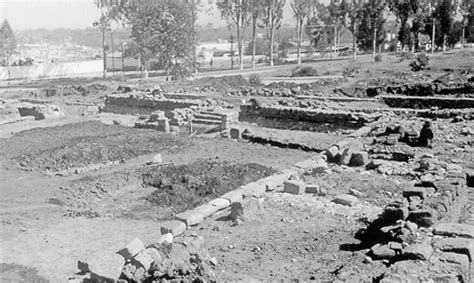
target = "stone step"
x: 206, y: 122
x: 207, y: 117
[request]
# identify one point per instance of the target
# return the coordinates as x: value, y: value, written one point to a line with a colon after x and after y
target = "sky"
x: 51, y: 14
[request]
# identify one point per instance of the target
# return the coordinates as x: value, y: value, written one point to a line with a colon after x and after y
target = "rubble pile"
x: 157, y: 121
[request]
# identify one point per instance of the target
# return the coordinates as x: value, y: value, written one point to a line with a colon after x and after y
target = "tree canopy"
x: 7, y: 39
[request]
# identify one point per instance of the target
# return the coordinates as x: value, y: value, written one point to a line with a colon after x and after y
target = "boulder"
x: 359, y: 158
x: 105, y: 267
x: 347, y: 200
x: 382, y: 252
x: 420, y: 251
x: 174, y: 227
x: 147, y: 257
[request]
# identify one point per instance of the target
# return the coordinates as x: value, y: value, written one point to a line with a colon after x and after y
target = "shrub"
x: 420, y: 63
x: 350, y: 71
x: 255, y: 79
x: 378, y: 58
x: 305, y: 71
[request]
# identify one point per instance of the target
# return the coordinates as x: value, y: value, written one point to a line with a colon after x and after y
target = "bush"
x: 255, y: 79
x: 350, y: 71
x: 378, y: 58
x: 420, y: 63
x: 405, y: 56
x: 305, y: 71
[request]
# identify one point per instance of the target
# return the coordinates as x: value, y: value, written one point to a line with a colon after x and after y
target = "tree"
x: 271, y: 19
x: 370, y: 28
x: 353, y: 10
x: 7, y: 43
x: 236, y: 12
x: 110, y: 11
x: 445, y: 14
x: 256, y: 7
x: 470, y: 24
x: 464, y: 9
x: 404, y: 10
x: 164, y: 30
x: 301, y: 10
x: 318, y: 26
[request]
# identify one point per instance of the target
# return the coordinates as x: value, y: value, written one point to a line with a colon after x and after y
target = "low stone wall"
x: 302, y: 119
x: 422, y: 89
x: 143, y: 104
x: 428, y: 102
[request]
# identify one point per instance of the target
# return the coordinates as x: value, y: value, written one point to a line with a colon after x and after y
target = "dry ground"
x: 50, y: 221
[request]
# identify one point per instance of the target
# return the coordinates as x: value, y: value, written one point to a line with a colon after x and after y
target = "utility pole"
x: 232, y: 52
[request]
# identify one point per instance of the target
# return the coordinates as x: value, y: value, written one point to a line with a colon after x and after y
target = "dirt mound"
x: 184, y: 187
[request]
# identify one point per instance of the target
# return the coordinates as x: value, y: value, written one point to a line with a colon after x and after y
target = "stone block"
x: 332, y: 153
x: 315, y: 189
x: 454, y: 258
x: 174, y: 227
x: 220, y: 203
x: 236, y: 133
x: 233, y: 196
x: 351, y: 143
x: 165, y: 238
x: 294, y: 187
x: 147, y: 257
x: 132, y: 249
x: 420, y: 251
x: 347, y: 200
x: 396, y: 213
x: 456, y: 245
x: 454, y: 230
x: 254, y: 189
x: 415, y: 191
x: 190, y: 217
x: 382, y: 252
x: 205, y: 210
x: 315, y: 165
x: 346, y: 156
x: 105, y: 267
x: 423, y: 218
x: 359, y: 158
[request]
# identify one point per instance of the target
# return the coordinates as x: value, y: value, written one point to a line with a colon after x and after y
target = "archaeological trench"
x: 419, y: 229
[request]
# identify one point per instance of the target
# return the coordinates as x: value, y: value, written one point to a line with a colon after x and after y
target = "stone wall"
x: 293, y: 118
x: 144, y: 104
x: 428, y: 102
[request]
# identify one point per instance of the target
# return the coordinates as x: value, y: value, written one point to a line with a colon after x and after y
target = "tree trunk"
x: 433, y: 33
x: 271, y: 47
x: 444, y: 42
x: 374, y: 42
x: 104, y: 54
x: 239, y: 45
x: 463, y: 34
x: 299, y: 28
x: 354, y: 32
x: 254, y: 35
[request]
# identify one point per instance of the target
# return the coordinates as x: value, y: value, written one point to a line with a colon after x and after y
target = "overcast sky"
x: 50, y: 14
